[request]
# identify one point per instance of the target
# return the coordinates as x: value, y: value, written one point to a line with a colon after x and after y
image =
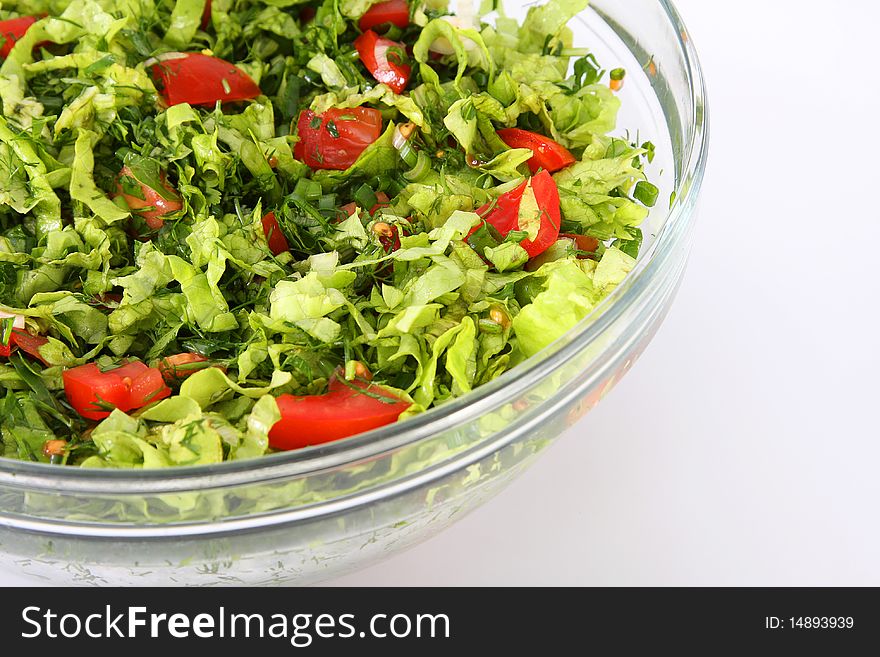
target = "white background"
x: 744, y: 447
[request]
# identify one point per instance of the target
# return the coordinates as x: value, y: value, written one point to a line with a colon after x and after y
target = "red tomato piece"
x: 336, y: 138
x: 28, y: 343
x: 277, y: 242
x: 206, y: 15
x: 348, y: 209
x: 384, y: 60
x: 155, y: 204
x: 503, y: 214
x: 548, y: 154
x: 148, y: 387
x: 90, y: 391
x: 11, y: 31
x: 395, y: 12
x: 382, y: 201
x: 347, y: 409
x: 180, y: 366
x: 197, y: 79
x: 582, y: 243
x: 540, y: 218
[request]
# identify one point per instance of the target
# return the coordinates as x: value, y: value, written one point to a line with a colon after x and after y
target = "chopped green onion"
x: 102, y: 64
x: 421, y: 168
x: 586, y: 72
x: 485, y: 236
x: 394, y: 33
x: 633, y: 246
x: 616, y: 148
x: 307, y: 189
x: 408, y: 154
x: 488, y: 326
x: 401, y: 141
x: 646, y: 193
x: 6, y: 330
x: 516, y: 236
x: 365, y: 197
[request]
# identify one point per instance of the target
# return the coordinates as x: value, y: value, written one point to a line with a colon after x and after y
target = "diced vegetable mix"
x: 240, y: 226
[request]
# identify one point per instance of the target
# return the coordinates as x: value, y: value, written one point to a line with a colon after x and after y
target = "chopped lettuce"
x: 373, y: 266
x: 186, y: 17
x: 548, y: 21
x: 571, y: 290
x: 379, y: 94
x: 589, y: 190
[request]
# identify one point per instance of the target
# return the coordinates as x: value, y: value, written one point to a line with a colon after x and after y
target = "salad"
x: 231, y: 227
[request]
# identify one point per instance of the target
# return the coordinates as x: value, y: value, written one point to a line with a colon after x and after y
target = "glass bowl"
x: 319, y: 512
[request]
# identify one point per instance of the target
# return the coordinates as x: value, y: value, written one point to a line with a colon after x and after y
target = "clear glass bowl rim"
x: 24, y: 475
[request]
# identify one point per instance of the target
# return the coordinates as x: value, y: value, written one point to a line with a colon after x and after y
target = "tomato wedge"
x: 11, y: 31
x: 180, y: 366
x: 28, y: 343
x: 197, y: 79
x: 349, y: 408
x: 582, y: 243
x: 384, y: 60
x: 336, y: 138
x: 532, y: 207
x: 133, y: 385
x: 148, y: 194
x: 548, y: 154
x: 277, y: 242
x: 394, y: 12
